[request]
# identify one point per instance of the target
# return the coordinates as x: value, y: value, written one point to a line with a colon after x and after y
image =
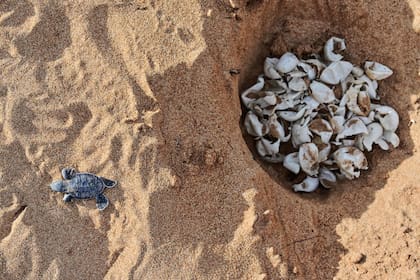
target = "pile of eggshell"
x: 325, y: 107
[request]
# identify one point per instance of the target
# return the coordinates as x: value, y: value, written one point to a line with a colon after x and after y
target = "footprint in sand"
x: 15, y: 12
x: 48, y: 38
x: 43, y: 130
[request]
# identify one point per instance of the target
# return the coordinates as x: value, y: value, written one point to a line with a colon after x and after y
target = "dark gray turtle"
x: 82, y: 186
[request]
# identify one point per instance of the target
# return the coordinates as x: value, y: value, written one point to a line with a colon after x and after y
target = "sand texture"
x: 142, y: 92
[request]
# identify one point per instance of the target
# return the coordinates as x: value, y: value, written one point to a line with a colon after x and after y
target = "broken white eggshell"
x: 255, y: 88
x: 350, y: 160
x: 336, y: 72
x: 296, y: 74
x: 269, y: 68
x: 369, y: 119
x: 298, y: 84
x: 372, y: 86
x: 324, y: 152
x: 382, y: 144
x: 291, y: 116
x: 266, y: 147
x: 387, y: 116
x: 337, y: 124
x: 253, y: 125
x: 322, y: 128
x: 321, y: 92
x: 308, y: 69
x: 375, y: 131
x: 377, y: 71
x: 353, y: 126
x: 276, y: 129
x: 276, y: 86
x: 308, y: 158
x: 337, y: 110
x: 276, y: 158
x: 308, y: 185
x: 330, y: 48
x: 327, y: 178
x: 310, y: 103
x: 357, y: 71
x: 318, y: 65
x: 265, y: 99
x: 358, y: 101
x: 391, y: 138
x: 291, y: 162
x: 300, y: 134
x: 287, y: 63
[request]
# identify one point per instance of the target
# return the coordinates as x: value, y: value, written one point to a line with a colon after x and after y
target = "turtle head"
x: 58, y: 186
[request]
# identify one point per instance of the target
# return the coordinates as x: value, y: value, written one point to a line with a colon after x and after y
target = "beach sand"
x: 142, y: 92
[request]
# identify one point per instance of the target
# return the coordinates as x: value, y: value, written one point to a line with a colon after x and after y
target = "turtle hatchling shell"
x: 85, y: 185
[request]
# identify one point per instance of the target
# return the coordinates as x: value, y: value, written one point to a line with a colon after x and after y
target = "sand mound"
x: 143, y: 92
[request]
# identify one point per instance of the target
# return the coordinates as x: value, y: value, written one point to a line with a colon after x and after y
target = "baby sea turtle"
x: 83, y: 185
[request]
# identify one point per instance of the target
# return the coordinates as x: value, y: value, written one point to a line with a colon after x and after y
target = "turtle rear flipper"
x: 101, y: 201
x: 109, y: 183
x: 67, y: 197
x: 68, y: 173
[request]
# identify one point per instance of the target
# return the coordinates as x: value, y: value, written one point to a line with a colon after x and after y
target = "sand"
x: 143, y: 92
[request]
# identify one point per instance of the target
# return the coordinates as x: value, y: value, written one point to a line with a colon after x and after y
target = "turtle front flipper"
x: 68, y: 173
x: 101, y: 201
x: 67, y: 197
x: 109, y: 183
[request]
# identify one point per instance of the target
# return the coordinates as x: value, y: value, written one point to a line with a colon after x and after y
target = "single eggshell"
x: 318, y: 65
x: 269, y: 68
x: 291, y: 116
x: 308, y: 158
x: 296, y: 74
x: 327, y: 178
x: 322, y: 128
x: 287, y: 63
x: 377, y: 71
x: 357, y: 71
x: 291, y: 162
x: 265, y: 99
x: 266, y: 147
x: 324, y: 152
x: 330, y: 48
x: 300, y: 134
x: 357, y: 101
x: 276, y: 86
x: 369, y: 119
x: 348, y: 142
x: 276, y: 158
x: 321, y: 92
x: 308, y: 69
x: 298, y: 84
x: 387, y: 116
x: 336, y: 110
x: 277, y: 130
x: 308, y: 185
x: 336, y: 72
x: 372, y: 86
x: 350, y: 160
x: 375, y: 132
x: 382, y: 144
x: 337, y: 124
x: 310, y: 103
x: 255, y: 88
x: 391, y: 138
x: 253, y: 125
x: 353, y: 126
